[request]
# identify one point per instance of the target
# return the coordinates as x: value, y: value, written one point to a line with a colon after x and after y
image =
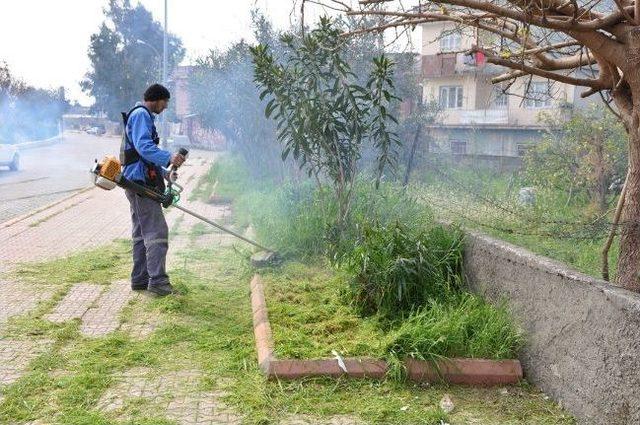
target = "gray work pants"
x: 150, y: 236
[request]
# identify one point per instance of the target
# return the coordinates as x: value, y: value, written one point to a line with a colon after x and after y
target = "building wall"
x: 484, y: 141
x: 431, y: 35
x: 438, y: 70
x: 180, y: 90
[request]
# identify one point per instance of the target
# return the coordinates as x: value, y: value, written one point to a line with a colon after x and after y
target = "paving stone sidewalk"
x: 176, y: 393
x: 16, y: 355
x: 85, y: 221
x: 76, y: 303
x: 17, y: 299
x: 88, y: 220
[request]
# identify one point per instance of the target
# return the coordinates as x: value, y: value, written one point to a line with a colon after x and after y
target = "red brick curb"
x: 355, y: 368
x: 465, y: 371
x: 454, y: 371
x: 261, y: 326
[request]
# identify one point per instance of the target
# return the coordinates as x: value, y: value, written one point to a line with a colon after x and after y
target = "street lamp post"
x: 165, y: 51
x: 165, y: 54
x: 165, y: 60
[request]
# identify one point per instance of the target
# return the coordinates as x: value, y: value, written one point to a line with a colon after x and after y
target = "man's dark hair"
x: 156, y: 92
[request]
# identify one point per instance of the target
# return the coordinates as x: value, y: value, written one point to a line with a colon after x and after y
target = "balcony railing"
x: 448, y: 64
x: 476, y: 116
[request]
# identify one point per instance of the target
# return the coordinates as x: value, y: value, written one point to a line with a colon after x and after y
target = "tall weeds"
x: 401, y: 267
x: 397, y: 269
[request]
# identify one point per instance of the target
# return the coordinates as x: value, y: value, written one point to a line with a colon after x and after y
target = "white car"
x: 9, y: 156
x: 96, y: 131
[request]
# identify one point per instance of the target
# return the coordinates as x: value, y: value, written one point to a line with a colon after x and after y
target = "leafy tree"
x: 27, y: 113
x: 582, y: 155
x: 590, y: 44
x: 323, y: 116
x: 222, y: 90
x: 123, y: 58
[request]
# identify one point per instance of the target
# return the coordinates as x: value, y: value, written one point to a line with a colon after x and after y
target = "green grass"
x: 209, y: 328
x: 583, y: 255
x: 395, y: 260
x: 466, y: 327
x: 297, y: 218
x: 567, y: 232
x: 102, y: 265
x: 309, y: 318
x: 226, y: 179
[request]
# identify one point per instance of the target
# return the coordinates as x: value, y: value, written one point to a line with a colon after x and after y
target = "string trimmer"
x: 108, y: 174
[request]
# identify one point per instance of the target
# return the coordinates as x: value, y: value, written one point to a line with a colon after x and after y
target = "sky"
x: 45, y: 42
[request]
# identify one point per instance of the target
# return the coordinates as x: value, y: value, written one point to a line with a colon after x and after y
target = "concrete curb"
x: 480, y: 372
x: 39, y: 143
x: 22, y: 217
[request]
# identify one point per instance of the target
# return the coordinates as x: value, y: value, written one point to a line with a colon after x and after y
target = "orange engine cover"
x: 110, y: 167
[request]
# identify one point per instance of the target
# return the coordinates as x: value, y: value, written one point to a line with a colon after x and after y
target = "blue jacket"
x: 140, y: 126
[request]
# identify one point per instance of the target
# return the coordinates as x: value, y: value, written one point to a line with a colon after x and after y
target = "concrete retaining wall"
x: 583, y: 346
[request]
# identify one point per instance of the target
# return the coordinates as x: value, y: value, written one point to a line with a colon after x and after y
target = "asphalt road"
x: 50, y: 173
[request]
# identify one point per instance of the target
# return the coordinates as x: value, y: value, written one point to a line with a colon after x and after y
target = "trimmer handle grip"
x: 182, y: 151
x: 171, y: 176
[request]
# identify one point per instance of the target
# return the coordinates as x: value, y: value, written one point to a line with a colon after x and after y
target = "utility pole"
x: 164, y: 73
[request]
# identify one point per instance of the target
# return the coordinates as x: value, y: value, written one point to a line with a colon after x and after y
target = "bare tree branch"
x: 492, y: 58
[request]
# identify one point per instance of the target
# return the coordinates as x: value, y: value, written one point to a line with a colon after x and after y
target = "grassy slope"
x: 484, y: 203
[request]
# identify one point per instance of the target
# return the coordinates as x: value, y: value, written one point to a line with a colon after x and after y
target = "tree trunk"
x: 629, y: 257
x: 601, y: 175
x: 612, y: 232
x: 411, y: 158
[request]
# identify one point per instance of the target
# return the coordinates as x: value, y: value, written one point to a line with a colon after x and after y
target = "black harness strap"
x: 129, y: 155
x: 128, y: 152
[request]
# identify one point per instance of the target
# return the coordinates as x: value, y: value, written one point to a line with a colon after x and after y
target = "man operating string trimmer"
x: 146, y: 167
x: 143, y: 163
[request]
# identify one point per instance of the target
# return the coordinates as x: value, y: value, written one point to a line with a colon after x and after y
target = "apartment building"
x: 478, y: 121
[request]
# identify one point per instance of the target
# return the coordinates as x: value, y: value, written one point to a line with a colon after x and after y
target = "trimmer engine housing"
x: 106, y: 172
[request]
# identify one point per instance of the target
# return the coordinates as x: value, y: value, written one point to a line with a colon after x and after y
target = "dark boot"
x: 162, y: 289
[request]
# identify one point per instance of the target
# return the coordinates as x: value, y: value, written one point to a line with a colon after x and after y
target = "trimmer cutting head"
x: 265, y: 259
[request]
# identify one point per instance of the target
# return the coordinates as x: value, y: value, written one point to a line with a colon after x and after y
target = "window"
x: 458, y: 147
x: 450, y: 97
x: 523, y: 148
x: 499, y: 98
x: 450, y: 42
x: 538, y: 95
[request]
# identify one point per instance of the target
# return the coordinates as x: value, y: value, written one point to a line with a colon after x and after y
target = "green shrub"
x: 397, y: 269
x: 386, y: 205
x: 465, y: 327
